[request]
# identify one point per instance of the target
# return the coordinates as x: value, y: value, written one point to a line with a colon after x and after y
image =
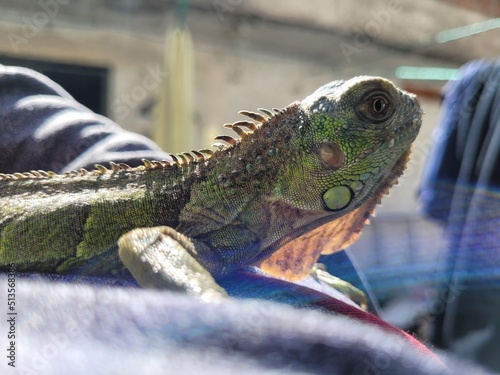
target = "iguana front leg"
x: 162, y: 258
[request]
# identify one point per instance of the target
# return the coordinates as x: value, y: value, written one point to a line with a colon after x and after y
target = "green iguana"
x: 299, y: 182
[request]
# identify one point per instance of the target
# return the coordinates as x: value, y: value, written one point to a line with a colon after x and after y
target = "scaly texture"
x: 299, y: 181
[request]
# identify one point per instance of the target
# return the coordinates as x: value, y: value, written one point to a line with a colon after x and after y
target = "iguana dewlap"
x: 298, y: 182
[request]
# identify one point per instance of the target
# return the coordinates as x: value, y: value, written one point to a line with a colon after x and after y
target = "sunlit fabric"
x: 461, y: 189
x: 43, y: 127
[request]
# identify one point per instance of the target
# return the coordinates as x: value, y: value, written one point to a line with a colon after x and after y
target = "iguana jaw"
x: 293, y: 256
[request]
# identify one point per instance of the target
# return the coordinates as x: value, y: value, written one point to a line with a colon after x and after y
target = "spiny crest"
x: 39, y: 174
x: 222, y: 142
x: 244, y: 128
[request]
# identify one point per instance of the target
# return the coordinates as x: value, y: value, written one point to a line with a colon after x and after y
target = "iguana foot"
x: 162, y: 258
x: 357, y: 296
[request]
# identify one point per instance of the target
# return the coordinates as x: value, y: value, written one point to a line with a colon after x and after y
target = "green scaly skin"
x: 200, y: 216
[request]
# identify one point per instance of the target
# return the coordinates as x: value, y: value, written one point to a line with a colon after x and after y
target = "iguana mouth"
x: 406, y: 131
x: 404, y: 134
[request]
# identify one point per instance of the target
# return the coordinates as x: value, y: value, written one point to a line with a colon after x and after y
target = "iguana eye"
x: 375, y: 107
x: 379, y: 104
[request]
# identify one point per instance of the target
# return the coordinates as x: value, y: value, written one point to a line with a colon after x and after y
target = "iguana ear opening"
x: 331, y: 155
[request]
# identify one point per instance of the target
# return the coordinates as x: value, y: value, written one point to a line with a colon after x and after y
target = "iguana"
x: 298, y: 182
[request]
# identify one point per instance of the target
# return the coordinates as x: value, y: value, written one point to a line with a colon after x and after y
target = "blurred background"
x: 177, y: 71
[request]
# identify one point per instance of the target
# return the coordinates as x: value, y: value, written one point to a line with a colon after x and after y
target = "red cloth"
x: 244, y: 284
x: 336, y: 306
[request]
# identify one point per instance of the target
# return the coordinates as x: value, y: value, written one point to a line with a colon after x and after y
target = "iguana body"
x: 305, y: 174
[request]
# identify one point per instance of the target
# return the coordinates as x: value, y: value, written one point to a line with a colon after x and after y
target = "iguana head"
x: 302, y: 182
x: 350, y: 147
x: 353, y: 133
